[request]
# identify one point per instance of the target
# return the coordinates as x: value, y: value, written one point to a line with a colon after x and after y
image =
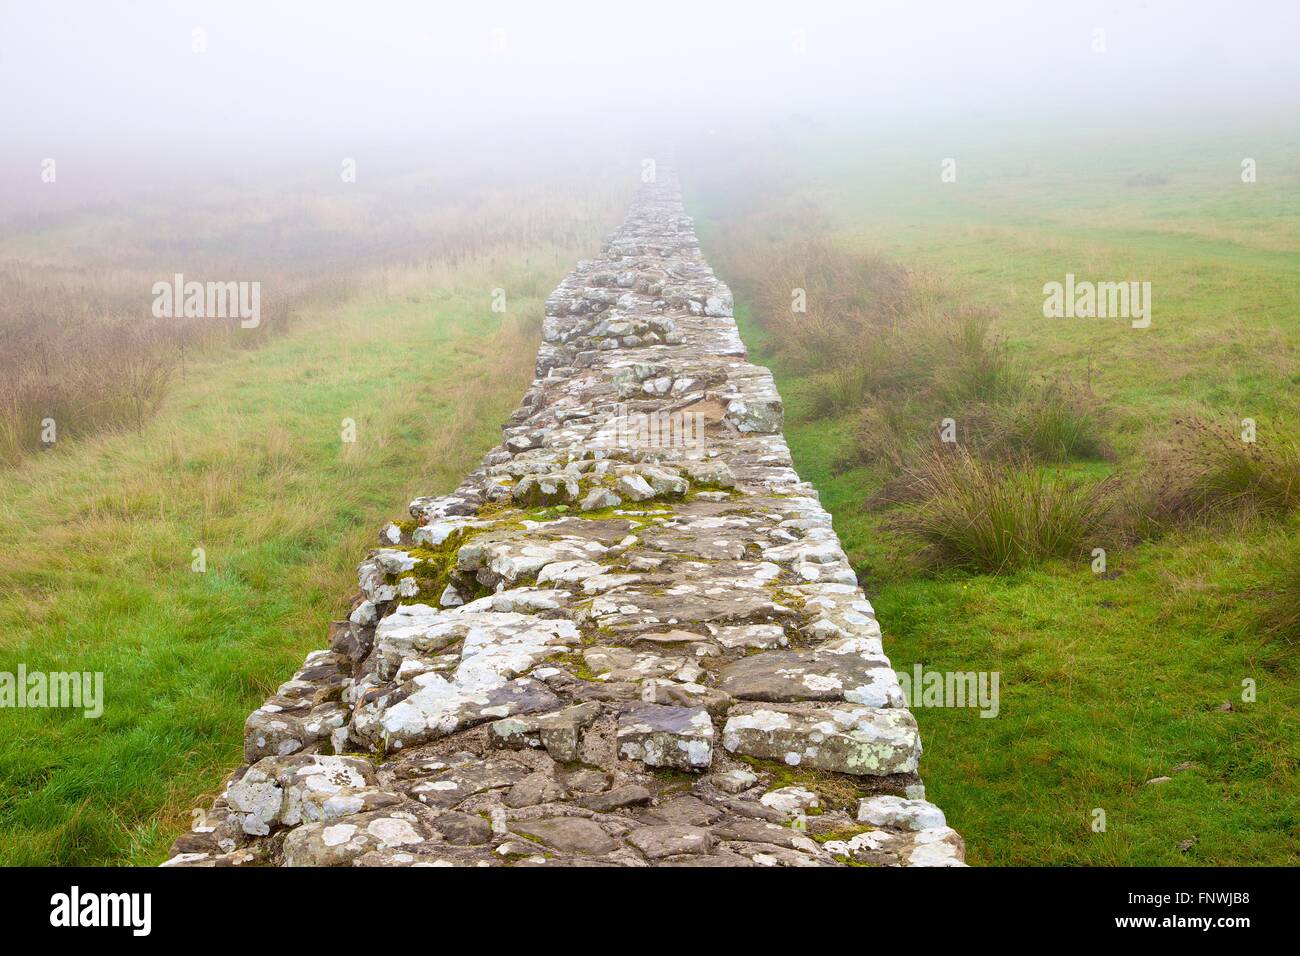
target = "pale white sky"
x: 300, y: 77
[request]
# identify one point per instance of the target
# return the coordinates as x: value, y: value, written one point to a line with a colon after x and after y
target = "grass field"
x: 245, y: 459
x: 1107, y: 681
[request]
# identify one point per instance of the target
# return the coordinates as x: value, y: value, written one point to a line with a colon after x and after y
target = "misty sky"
x: 297, y: 76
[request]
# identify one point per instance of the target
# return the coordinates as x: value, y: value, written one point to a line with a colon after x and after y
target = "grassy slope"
x: 246, y: 461
x: 1106, y: 683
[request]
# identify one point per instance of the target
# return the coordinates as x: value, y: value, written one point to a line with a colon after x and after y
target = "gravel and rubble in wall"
x: 612, y: 644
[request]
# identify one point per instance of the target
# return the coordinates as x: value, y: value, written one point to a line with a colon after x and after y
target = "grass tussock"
x: 995, y: 516
x: 1211, y: 469
x: 901, y: 351
x: 946, y: 412
x: 1059, y: 421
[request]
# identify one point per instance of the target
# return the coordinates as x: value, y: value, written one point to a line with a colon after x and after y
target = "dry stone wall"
x: 630, y: 637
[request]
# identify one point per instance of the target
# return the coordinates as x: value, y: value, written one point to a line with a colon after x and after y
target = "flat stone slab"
x: 661, y: 841
x: 504, y: 644
x: 757, y: 636
x: 625, y: 664
x: 452, y: 787
x: 692, y: 595
x: 341, y: 842
x: 570, y: 835
x: 663, y: 736
x: 439, y: 708
x: 844, y: 738
x: 813, y: 675
x: 715, y: 544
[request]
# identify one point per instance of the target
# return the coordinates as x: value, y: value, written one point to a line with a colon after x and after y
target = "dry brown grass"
x: 82, y: 348
x: 904, y: 354
x: 1208, y: 471
x: 996, y: 516
x: 850, y: 299
x: 79, y: 344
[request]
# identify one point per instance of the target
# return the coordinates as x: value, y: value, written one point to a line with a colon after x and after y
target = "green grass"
x: 994, y: 516
x: 246, y: 461
x: 1107, y: 680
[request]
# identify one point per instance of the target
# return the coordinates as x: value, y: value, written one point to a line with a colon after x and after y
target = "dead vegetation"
x: 1212, y: 469
x: 974, y: 453
x: 81, y: 347
x: 996, y: 515
x: 81, y: 350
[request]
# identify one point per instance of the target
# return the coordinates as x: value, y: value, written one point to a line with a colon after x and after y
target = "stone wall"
x: 630, y: 637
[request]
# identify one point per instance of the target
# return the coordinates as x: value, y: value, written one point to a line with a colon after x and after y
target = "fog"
x: 161, y: 90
